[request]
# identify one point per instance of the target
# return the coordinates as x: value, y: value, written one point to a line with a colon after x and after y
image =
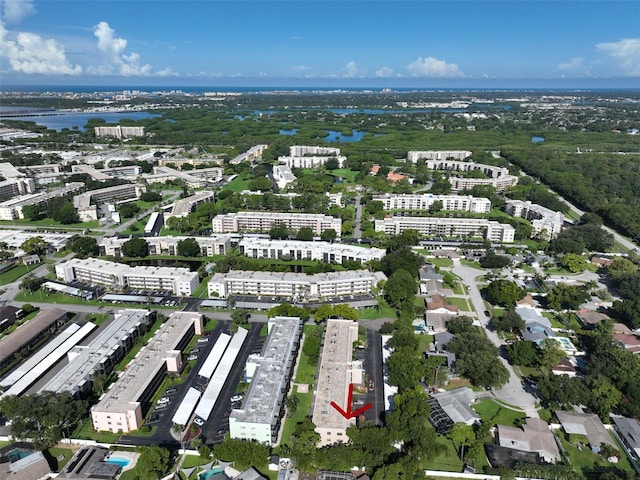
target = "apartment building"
x: 448, y: 227
x: 12, y: 209
x: 283, y: 176
x: 120, y: 408
x: 337, y: 372
x: 86, y: 203
x: 264, y: 221
x: 297, y: 250
x: 466, y: 203
x: 185, y: 206
x: 269, y: 374
x: 294, y: 286
x: 118, y: 131
x: 16, y: 186
x: 209, y: 246
x: 306, y: 150
x: 254, y: 153
x: 93, y: 271
x: 414, y: 156
x: 545, y: 222
x: 499, y: 183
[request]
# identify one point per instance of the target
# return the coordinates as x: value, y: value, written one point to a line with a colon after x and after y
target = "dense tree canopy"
x: 504, y: 292
x: 135, y: 247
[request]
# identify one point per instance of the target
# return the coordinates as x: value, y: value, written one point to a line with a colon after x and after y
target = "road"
x: 513, y: 392
x: 357, y: 231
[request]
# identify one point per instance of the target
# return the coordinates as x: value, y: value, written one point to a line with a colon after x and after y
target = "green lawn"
x: 41, y: 295
x: 98, y: 318
x: 86, y: 431
x: 202, y: 290
x: 306, y: 372
x: 52, y: 455
x: 441, y: 262
x: 461, y: 303
x: 48, y: 222
x: 383, y: 311
x: 15, y: 273
x: 585, y: 458
x: 304, y: 409
x: 496, y: 414
x: 449, y: 461
x: 237, y: 185
x: 467, y: 263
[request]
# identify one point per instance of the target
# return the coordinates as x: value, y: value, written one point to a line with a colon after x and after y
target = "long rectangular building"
x: 466, y: 203
x: 120, y: 410
x: 209, y: 246
x: 102, y: 354
x: 269, y: 374
x: 27, y: 335
x: 448, y: 227
x: 12, y: 209
x: 295, y: 286
x: 298, y: 250
x: 414, y: 156
x: 178, y: 280
x: 337, y: 371
x: 185, y: 206
x: 264, y: 221
x: 545, y: 222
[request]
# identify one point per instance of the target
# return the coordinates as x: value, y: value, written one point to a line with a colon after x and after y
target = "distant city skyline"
x: 410, y: 44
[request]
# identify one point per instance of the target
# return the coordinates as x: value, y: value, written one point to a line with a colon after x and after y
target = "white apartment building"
x: 283, y: 176
x: 250, y: 155
x: 118, y: 131
x: 466, y: 203
x: 448, y: 227
x: 16, y: 186
x: 269, y: 374
x: 120, y: 409
x: 12, y: 209
x: 168, y: 245
x: 86, y: 203
x: 337, y: 371
x: 296, y: 286
x: 179, y: 281
x: 306, y: 150
x: 264, y: 221
x: 414, y: 156
x: 499, y: 183
x: 301, y: 156
x: 545, y: 222
x: 162, y: 174
x: 185, y: 206
x: 298, y: 250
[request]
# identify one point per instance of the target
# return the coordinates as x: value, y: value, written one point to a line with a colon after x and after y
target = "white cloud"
x: 384, y: 72
x: 351, y: 69
x: 432, y: 67
x: 301, y: 68
x: 115, y: 60
x: 31, y: 54
x: 573, y: 64
x: 626, y: 52
x: 13, y: 11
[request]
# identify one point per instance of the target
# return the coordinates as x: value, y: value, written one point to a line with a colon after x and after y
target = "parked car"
x: 203, y: 340
x: 164, y: 400
x: 198, y: 421
x: 192, y: 357
x: 171, y: 390
x: 237, y: 398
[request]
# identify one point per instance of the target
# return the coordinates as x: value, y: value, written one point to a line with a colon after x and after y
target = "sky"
x: 508, y: 43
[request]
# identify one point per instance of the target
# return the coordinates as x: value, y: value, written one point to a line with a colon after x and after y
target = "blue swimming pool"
x: 121, y: 461
x: 210, y: 473
x: 18, y: 454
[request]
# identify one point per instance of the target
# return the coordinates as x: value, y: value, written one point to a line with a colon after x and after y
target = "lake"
x: 335, y: 136
x: 537, y: 139
x: 69, y: 120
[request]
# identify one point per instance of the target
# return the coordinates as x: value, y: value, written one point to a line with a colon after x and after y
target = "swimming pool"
x: 121, y: 461
x: 18, y: 454
x: 210, y: 473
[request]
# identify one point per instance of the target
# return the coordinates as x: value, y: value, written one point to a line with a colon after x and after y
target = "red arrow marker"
x: 350, y: 414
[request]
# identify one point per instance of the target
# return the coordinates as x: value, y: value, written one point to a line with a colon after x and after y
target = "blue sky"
x: 350, y: 43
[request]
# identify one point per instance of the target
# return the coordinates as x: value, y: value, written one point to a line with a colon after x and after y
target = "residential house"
x: 533, y: 436
x: 629, y: 431
x: 451, y: 407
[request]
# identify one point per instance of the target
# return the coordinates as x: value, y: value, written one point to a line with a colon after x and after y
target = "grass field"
x: 449, y: 461
x: 15, y: 273
x: 383, y: 311
x: 441, y: 262
x: 237, y: 185
x: 304, y: 409
x: 496, y: 414
x: 461, y: 303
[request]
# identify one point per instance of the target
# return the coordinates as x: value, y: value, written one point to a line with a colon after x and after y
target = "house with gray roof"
x: 533, y: 436
x: 587, y: 424
x: 450, y: 407
x: 629, y: 431
x: 536, y: 332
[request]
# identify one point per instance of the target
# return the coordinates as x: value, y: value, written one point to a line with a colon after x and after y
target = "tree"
x: 402, y: 258
x: 459, y: 324
x: 494, y: 261
x: 604, y: 396
x: 135, y: 247
x: 509, y: 321
x: 329, y: 235
x: 478, y: 360
x: 404, y: 368
x: 188, y: 247
x: 280, y: 232
x: 84, y: 246
x: 574, y: 263
x: 463, y: 435
x: 292, y: 403
x: 31, y: 282
x: 35, y: 246
x: 305, y: 234
x: 621, y: 267
x: 332, y: 164
x: 66, y: 214
x: 128, y: 210
x: 550, y: 353
x: 566, y: 297
x: 523, y: 353
x: 504, y: 292
x: 435, y: 207
x: 305, y: 440
x: 260, y: 184
x: 400, y: 290
x: 153, y: 463
x: 150, y: 197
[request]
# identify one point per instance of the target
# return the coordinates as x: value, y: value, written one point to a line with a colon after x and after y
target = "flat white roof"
x: 41, y: 368
x: 188, y: 404
x: 212, y: 392
x: 40, y: 355
x: 214, y: 357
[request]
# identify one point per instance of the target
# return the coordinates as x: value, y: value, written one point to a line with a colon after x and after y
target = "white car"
x: 236, y: 398
x: 198, y: 421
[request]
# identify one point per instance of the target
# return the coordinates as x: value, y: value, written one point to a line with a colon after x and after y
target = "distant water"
x: 334, y: 136
x: 537, y: 139
x: 71, y: 120
x: 291, y: 132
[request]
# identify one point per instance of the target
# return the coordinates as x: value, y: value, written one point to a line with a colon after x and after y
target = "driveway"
x: 513, y: 392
